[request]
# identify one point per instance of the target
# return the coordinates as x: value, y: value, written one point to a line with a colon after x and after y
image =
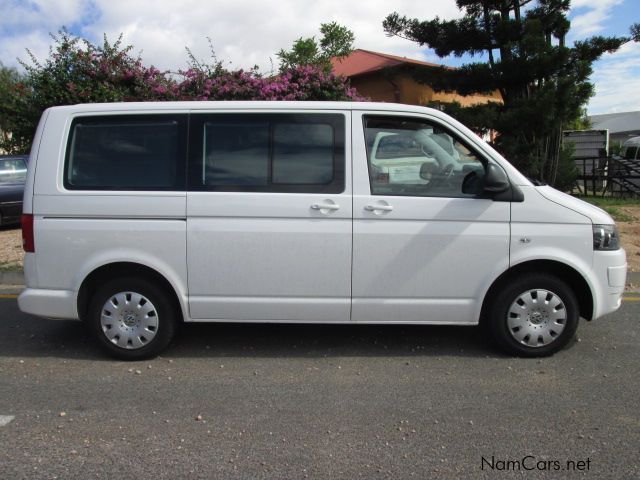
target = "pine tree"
x: 544, y: 82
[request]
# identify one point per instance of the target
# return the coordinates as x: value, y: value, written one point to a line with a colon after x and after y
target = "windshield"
x: 12, y: 170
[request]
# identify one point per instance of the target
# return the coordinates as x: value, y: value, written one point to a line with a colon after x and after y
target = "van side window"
x: 236, y: 154
x: 267, y: 152
x: 302, y: 154
x: 414, y: 157
x: 136, y: 152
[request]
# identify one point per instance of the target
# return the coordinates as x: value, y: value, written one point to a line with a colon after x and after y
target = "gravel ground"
x: 630, y: 236
x: 11, y: 246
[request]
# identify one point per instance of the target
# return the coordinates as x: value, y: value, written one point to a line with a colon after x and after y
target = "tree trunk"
x: 487, y: 28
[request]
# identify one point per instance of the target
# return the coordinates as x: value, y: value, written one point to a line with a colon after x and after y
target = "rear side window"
x: 267, y: 152
x: 132, y: 152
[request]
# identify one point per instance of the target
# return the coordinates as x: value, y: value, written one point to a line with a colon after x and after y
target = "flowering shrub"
x: 299, y: 83
x: 76, y: 72
x: 79, y: 72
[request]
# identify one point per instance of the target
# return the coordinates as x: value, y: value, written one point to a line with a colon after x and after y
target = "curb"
x: 15, y: 277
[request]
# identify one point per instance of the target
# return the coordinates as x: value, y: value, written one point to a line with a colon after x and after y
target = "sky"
x: 245, y: 33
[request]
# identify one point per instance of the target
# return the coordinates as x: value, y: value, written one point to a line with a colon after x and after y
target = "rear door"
x: 269, y: 216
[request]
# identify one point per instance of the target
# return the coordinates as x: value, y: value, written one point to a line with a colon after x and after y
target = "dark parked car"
x: 13, y: 172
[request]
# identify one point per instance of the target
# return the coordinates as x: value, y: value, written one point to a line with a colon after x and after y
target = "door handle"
x: 325, y: 206
x: 383, y: 208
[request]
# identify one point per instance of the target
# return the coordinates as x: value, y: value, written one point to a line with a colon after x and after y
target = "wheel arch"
x: 570, y: 275
x: 110, y: 271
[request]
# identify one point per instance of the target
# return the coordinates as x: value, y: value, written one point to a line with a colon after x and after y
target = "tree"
x: 336, y: 41
x: 580, y: 123
x: 10, y: 82
x: 543, y: 82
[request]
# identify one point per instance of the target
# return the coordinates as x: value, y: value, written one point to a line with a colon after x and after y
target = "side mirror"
x: 495, y: 179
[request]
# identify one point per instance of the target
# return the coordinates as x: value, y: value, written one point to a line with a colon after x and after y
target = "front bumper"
x: 610, y: 273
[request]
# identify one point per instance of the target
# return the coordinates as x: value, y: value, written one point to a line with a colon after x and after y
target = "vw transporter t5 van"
x: 140, y: 216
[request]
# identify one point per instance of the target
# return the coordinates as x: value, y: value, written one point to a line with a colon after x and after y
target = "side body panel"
x: 77, y: 231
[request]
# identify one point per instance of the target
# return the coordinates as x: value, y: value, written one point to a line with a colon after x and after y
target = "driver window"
x: 409, y: 156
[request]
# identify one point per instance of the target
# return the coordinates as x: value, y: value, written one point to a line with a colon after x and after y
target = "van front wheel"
x: 132, y: 318
x: 534, y: 316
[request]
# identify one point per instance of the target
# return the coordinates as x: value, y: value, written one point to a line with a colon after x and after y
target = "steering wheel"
x: 442, y: 176
x: 446, y: 172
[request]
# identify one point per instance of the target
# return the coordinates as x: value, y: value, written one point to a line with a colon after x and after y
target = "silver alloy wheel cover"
x: 129, y: 320
x: 536, y: 318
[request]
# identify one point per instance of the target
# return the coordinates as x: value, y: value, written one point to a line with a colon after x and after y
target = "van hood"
x: 593, y: 213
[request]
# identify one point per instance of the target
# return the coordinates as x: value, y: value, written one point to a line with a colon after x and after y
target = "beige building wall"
x: 401, y: 88
x: 376, y: 88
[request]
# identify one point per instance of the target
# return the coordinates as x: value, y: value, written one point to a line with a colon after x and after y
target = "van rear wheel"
x: 534, y: 316
x: 132, y: 318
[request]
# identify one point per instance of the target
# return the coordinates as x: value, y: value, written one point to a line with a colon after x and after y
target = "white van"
x: 139, y: 216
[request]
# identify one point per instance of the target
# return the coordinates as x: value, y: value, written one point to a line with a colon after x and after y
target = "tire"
x: 132, y: 318
x: 523, y: 325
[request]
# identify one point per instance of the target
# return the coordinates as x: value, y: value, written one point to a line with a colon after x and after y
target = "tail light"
x: 28, y: 243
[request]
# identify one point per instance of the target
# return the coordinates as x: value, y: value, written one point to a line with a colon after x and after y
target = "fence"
x: 616, y: 176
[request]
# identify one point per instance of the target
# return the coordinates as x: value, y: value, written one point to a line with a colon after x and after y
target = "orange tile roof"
x: 365, y: 61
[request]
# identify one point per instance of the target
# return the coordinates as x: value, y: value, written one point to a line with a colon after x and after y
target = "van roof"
x: 243, y: 105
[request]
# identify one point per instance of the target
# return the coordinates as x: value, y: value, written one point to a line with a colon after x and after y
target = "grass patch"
x: 10, y: 267
x: 611, y: 202
x: 611, y: 206
x: 617, y: 215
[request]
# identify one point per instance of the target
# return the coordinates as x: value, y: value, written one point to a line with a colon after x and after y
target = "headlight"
x: 605, y: 237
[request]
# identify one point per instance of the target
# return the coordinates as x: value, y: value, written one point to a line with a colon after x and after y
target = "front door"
x: 269, y: 222
x: 427, y: 242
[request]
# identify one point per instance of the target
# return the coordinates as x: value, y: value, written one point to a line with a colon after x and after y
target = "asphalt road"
x: 320, y: 402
